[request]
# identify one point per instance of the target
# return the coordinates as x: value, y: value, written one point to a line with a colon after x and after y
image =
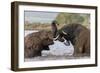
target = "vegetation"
x: 68, y: 18
x: 62, y: 19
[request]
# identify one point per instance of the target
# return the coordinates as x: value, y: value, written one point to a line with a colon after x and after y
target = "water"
x: 30, y: 31
x: 58, y: 51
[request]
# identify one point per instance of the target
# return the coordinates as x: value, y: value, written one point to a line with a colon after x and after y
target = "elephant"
x: 79, y: 36
x: 36, y: 42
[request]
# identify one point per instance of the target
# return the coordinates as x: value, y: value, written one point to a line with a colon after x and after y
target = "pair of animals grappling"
x: 76, y: 33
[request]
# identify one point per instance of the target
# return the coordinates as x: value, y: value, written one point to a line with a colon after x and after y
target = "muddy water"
x: 58, y: 51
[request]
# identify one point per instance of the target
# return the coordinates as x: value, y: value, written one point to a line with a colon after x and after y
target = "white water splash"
x: 59, y: 49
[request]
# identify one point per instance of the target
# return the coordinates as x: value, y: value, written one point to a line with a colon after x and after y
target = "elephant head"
x: 47, y: 38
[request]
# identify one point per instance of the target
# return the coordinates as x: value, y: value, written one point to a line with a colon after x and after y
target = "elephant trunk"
x: 54, y: 28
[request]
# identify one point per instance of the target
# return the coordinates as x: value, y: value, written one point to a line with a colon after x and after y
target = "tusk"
x: 64, y: 32
x: 56, y: 37
x: 63, y: 38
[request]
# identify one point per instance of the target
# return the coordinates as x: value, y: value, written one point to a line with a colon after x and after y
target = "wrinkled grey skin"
x: 78, y: 35
x: 36, y: 42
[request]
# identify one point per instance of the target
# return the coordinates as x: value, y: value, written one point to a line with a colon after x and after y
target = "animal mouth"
x: 51, y: 43
x: 67, y: 43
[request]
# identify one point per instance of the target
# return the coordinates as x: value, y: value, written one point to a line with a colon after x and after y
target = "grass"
x: 44, y: 26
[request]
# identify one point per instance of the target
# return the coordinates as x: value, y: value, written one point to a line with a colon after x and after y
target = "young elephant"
x: 78, y: 35
x: 36, y: 42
